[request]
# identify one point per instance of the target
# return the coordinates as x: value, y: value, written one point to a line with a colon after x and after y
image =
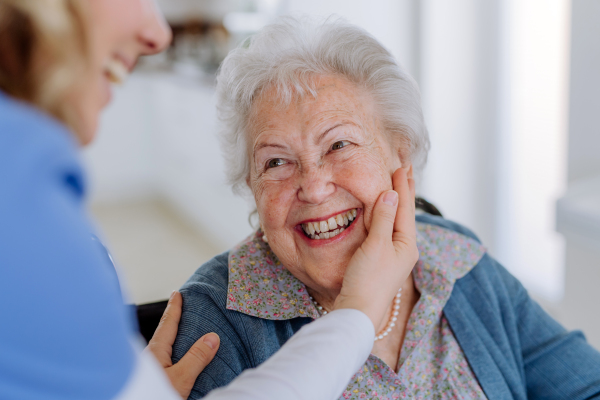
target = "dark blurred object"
x: 149, y: 316
x: 196, y: 42
x: 206, y: 42
x: 426, y: 206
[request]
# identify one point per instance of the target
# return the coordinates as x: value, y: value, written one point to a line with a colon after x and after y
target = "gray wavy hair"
x: 285, y: 55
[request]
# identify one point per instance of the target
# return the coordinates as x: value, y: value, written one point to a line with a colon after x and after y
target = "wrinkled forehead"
x: 322, y: 98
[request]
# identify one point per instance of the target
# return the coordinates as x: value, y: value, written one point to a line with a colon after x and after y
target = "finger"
x: 162, y: 341
x: 404, y: 225
x: 185, y: 372
x: 411, y: 187
x: 384, y: 214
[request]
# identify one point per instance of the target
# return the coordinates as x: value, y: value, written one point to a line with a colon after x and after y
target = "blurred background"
x: 509, y: 93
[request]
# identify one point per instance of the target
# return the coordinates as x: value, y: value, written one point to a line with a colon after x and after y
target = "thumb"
x: 384, y: 215
x: 183, y: 374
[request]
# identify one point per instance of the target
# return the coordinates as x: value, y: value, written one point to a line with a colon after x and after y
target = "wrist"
x: 374, y: 313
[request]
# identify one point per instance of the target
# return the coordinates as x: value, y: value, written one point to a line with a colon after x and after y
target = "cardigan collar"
x: 260, y: 286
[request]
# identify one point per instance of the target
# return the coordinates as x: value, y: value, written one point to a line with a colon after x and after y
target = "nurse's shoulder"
x: 31, y: 139
x: 65, y: 333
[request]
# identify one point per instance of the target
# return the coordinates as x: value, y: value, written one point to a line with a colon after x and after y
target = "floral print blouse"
x: 431, y: 365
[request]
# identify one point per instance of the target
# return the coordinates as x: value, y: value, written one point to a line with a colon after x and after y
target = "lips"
x: 331, y: 227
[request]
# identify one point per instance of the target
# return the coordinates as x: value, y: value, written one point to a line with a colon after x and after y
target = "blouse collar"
x: 260, y: 286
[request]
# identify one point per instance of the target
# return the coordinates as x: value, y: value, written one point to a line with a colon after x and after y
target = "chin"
x: 87, y: 131
x: 327, y: 268
x: 330, y: 276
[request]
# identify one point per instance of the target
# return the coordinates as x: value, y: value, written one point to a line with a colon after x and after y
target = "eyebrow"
x: 263, y: 145
x: 322, y: 135
x: 319, y: 138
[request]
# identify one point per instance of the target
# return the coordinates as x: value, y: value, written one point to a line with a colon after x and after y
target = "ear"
x: 409, y: 173
x: 402, y: 159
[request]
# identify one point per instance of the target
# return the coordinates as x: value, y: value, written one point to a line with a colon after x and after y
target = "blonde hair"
x: 43, y: 53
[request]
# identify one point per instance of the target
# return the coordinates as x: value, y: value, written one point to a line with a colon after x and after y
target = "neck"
x: 325, y: 298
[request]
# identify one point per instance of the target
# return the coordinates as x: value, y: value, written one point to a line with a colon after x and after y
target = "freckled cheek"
x: 274, y: 203
x: 365, y: 181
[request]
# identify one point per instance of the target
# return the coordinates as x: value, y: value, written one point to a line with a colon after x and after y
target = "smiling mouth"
x: 116, y: 71
x: 331, y: 227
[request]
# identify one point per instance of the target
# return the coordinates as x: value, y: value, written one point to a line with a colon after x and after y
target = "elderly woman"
x: 317, y: 117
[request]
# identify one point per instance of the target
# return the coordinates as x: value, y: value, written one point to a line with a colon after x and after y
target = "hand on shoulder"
x: 183, y: 374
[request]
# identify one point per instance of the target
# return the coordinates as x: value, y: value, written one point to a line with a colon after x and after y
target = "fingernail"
x: 172, y: 294
x: 390, y: 198
x: 211, y: 340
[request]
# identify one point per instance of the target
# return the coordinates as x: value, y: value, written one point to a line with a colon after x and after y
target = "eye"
x: 340, y: 144
x: 275, y: 162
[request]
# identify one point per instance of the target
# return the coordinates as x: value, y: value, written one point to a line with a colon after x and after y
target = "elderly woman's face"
x: 319, y: 165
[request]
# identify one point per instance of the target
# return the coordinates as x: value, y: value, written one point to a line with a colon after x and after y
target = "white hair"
x: 286, y: 54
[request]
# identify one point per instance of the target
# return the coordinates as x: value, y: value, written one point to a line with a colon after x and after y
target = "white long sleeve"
x: 315, y: 364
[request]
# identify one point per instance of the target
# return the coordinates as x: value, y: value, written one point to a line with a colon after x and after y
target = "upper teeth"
x: 116, y: 70
x: 331, y: 227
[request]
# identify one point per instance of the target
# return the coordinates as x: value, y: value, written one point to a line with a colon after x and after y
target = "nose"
x: 315, y: 186
x: 155, y: 35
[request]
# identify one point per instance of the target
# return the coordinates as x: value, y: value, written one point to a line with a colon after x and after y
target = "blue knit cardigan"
x: 515, y: 349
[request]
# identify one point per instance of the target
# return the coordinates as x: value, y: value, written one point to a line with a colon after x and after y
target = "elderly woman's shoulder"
x: 446, y: 224
x: 210, y: 277
x: 487, y: 269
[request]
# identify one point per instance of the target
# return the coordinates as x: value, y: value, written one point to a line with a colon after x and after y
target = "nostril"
x: 155, y: 40
x: 149, y: 44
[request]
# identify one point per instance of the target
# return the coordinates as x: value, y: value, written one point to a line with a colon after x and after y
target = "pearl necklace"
x: 391, y: 323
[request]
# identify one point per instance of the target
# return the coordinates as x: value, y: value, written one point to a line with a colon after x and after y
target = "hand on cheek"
x: 385, y: 260
x: 389, y: 185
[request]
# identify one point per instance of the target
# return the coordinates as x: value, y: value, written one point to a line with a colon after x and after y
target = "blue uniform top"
x: 64, y: 333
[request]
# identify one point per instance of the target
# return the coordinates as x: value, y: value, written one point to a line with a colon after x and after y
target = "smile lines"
x: 331, y: 227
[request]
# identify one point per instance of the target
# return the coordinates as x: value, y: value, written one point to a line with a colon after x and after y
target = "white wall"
x: 493, y: 79
x: 534, y: 111
x: 459, y: 84
x: 579, y: 215
x: 584, y: 129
